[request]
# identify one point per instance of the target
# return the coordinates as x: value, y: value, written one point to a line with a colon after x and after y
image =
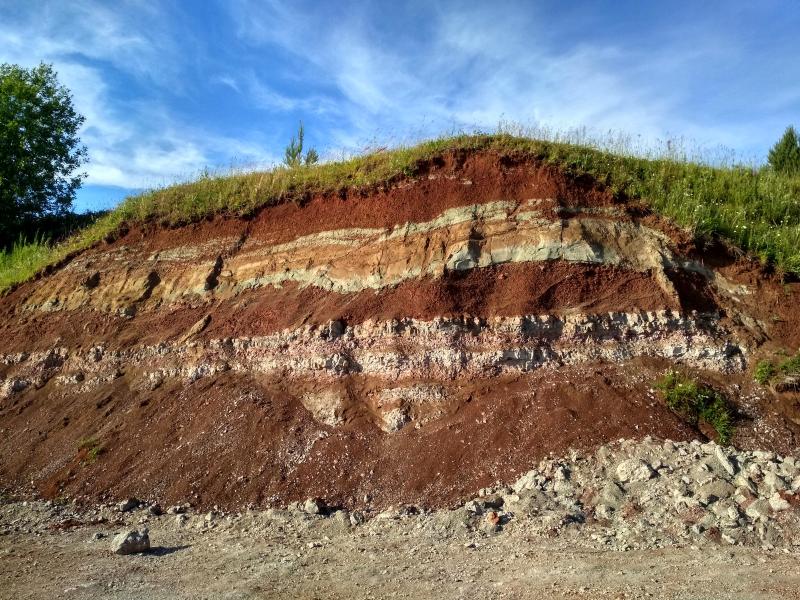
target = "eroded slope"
x: 404, y: 344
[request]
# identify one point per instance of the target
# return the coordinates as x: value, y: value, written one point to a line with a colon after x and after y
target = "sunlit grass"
x: 706, y: 191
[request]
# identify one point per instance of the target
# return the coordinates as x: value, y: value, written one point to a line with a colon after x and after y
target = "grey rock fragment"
x: 714, y: 490
x: 778, y: 502
x: 313, y: 506
x: 131, y: 542
x: 128, y: 505
x: 724, y: 461
x: 634, y: 470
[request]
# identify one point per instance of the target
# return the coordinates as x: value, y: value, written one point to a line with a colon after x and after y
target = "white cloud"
x: 131, y: 144
x: 471, y: 66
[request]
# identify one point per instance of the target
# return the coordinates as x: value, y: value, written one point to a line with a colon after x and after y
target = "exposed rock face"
x: 398, y: 353
x: 481, y: 290
x: 346, y: 261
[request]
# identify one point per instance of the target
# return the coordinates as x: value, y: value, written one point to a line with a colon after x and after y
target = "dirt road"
x: 278, y: 555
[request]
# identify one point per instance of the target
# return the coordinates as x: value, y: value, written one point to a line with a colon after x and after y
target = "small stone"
x: 99, y: 535
x: 634, y: 470
x: 743, y: 481
x: 180, y: 520
x: 131, y: 542
x: 127, y: 505
x: 155, y: 510
x: 774, y: 482
x: 778, y: 502
x: 474, y: 507
x: 341, y: 517
x: 313, y: 506
x: 314, y: 544
x: 724, y: 461
x: 758, y: 510
x: 612, y: 495
x: 604, y: 511
x: 728, y: 538
x: 764, y: 456
x: 718, y: 489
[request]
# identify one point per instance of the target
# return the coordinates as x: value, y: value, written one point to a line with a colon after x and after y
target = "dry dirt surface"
x: 397, y: 562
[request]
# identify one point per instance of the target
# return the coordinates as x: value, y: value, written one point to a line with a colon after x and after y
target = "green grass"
x: 768, y: 372
x: 92, y: 448
x: 765, y: 371
x: 23, y: 261
x: 754, y: 208
x: 697, y: 403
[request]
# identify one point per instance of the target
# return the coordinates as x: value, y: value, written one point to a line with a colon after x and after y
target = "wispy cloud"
x: 168, y: 88
x: 133, y: 142
x: 472, y: 65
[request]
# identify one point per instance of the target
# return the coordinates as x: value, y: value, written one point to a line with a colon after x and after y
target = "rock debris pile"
x: 652, y: 494
x: 629, y: 495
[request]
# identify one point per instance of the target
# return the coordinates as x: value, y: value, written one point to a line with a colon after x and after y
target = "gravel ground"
x: 319, y: 558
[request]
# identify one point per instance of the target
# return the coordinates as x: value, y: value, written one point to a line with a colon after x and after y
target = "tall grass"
x: 23, y: 261
x: 755, y: 208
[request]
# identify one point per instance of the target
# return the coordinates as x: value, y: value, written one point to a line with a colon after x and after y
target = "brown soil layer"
x: 507, y: 290
x: 187, y: 442
x: 234, y: 439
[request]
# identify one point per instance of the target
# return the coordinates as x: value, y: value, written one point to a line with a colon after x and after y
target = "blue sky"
x: 169, y: 88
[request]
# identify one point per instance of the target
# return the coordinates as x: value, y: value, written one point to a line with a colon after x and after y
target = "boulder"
x: 131, y: 542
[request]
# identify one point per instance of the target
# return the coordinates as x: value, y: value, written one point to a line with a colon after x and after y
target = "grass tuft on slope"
x: 756, y: 209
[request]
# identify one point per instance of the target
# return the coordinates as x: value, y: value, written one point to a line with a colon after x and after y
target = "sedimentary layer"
x: 377, y: 342
x: 347, y: 261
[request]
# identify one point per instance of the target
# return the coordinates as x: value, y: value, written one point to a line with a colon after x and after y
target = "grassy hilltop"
x: 756, y: 209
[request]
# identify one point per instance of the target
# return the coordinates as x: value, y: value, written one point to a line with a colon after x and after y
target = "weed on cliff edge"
x: 767, y: 372
x: 91, y: 449
x: 697, y: 403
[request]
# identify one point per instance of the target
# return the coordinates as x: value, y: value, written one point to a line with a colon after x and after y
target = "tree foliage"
x: 293, y: 155
x: 784, y: 156
x: 40, y: 151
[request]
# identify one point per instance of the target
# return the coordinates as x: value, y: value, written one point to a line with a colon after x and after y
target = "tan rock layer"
x: 353, y: 260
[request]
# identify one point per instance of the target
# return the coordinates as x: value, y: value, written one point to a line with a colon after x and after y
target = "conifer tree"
x: 784, y: 156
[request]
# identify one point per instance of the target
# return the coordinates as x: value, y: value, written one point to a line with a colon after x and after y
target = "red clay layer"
x: 513, y: 289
